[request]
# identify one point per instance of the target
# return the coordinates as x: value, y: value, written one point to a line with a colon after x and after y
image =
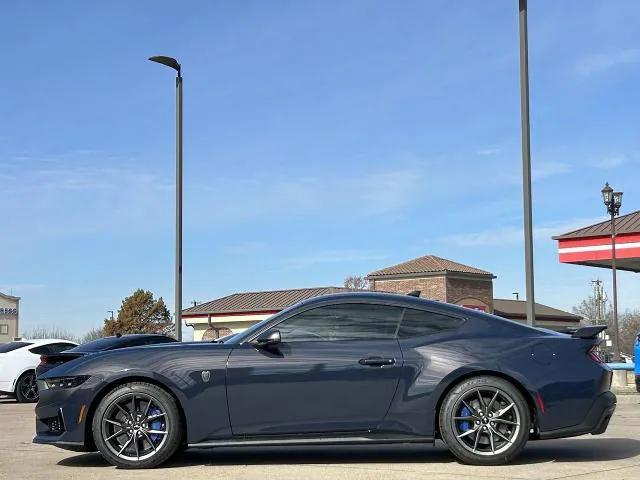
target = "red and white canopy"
x: 592, y: 245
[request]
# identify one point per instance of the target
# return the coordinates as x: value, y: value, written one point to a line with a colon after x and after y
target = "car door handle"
x: 376, y: 361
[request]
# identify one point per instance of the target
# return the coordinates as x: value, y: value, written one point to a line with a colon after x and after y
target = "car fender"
x: 21, y: 372
x: 138, y: 375
x: 494, y: 369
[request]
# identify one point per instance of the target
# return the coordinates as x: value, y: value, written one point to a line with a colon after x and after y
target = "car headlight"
x: 64, y: 382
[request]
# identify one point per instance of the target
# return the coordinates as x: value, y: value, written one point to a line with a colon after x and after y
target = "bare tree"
x: 629, y: 330
x: 629, y: 322
x: 49, y: 332
x: 588, y: 310
x: 93, y: 334
x: 356, y: 282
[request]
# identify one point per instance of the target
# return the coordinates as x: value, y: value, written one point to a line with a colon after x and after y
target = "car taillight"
x: 593, y: 353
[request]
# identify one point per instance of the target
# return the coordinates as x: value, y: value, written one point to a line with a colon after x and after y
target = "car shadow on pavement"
x: 565, y: 450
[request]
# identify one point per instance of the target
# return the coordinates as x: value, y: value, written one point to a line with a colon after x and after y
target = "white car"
x: 18, y: 362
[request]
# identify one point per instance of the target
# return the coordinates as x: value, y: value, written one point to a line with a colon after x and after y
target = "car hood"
x: 135, y: 358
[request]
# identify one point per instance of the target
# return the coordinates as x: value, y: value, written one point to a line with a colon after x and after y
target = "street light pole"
x: 613, y: 202
x: 526, y: 163
x: 173, y: 63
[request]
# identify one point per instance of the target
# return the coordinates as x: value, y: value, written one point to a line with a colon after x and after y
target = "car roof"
x: 45, y: 341
x: 383, y: 297
x: 409, y: 301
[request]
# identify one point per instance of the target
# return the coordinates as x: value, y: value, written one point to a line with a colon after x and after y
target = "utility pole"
x: 600, y: 300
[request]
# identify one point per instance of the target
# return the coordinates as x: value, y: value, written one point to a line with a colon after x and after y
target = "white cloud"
x: 20, y: 288
x: 511, y: 235
x: 240, y: 199
x: 245, y: 248
x: 334, y: 256
x: 611, y: 161
x: 600, y: 62
x: 489, y: 150
x: 540, y: 170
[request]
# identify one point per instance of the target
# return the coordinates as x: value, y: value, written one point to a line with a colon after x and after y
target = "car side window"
x: 349, y: 321
x: 417, y: 323
x: 51, y: 348
x: 60, y: 347
x: 41, y: 350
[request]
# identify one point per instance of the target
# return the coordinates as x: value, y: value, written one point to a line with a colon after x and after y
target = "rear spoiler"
x: 589, y: 332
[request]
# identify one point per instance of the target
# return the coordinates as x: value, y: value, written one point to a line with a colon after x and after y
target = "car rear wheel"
x: 26, y: 388
x: 137, y: 425
x: 485, y: 421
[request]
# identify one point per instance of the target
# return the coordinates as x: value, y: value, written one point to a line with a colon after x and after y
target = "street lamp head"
x: 617, y: 201
x: 168, y: 61
x: 607, y: 194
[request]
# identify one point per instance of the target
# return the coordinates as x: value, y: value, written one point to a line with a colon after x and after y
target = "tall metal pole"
x: 526, y: 163
x: 616, y: 338
x: 173, y: 63
x: 178, y: 272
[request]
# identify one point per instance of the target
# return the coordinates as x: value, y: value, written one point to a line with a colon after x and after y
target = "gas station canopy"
x: 591, y: 245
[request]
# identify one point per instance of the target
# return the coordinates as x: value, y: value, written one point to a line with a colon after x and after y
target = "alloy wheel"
x: 486, y: 421
x: 135, y: 426
x: 29, y: 388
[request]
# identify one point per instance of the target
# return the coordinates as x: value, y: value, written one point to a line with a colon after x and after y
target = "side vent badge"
x: 206, y: 375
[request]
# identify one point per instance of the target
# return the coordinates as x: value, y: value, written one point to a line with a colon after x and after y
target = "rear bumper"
x: 595, y: 422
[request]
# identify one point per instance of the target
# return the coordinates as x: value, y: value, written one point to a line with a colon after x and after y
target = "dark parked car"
x: 350, y: 368
x: 49, y: 361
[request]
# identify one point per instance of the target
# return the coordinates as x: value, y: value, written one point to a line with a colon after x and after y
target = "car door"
x: 336, y: 369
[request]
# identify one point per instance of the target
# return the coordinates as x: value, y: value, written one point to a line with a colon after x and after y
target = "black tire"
x: 480, y: 428
x: 26, y: 388
x: 158, y: 449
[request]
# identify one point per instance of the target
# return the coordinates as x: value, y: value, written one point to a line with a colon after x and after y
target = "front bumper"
x: 6, y: 386
x: 595, y: 422
x: 61, y: 417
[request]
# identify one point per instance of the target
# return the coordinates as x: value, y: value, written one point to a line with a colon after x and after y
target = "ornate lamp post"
x: 613, y: 202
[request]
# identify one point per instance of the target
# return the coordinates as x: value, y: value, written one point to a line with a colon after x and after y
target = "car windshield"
x: 11, y: 346
x: 236, y: 338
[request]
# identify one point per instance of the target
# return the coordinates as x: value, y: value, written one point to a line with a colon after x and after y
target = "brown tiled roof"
x: 629, y: 223
x: 267, y: 301
x: 428, y: 264
x: 517, y: 309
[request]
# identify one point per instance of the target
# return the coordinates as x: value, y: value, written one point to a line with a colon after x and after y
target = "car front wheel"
x: 485, y: 421
x: 137, y: 425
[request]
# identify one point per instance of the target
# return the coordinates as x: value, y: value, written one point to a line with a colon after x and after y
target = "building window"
x: 4, y: 329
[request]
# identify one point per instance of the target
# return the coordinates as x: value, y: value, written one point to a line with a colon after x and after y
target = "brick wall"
x: 433, y: 288
x: 459, y: 289
x: 442, y: 288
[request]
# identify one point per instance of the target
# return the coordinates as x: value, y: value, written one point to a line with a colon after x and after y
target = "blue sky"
x: 321, y: 139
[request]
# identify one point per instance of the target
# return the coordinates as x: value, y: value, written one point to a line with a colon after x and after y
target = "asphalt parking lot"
x: 614, y: 455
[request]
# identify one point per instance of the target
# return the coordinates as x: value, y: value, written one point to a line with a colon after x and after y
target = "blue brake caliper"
x: 465, y: 412
x: 155, y: 424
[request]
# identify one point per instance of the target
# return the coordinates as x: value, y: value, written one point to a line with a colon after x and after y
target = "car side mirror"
x: 268, y: 339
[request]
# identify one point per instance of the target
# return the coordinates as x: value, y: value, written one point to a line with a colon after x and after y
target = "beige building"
x: 436, y: 278
x: 9, y: 314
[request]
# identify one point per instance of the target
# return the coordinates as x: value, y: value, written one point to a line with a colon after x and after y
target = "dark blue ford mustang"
x: 351, y: 368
